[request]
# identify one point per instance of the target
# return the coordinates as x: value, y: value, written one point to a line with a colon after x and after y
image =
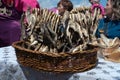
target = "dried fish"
x: 49, y: 32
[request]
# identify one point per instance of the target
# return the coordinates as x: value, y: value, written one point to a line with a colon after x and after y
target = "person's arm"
x: 100, y: 27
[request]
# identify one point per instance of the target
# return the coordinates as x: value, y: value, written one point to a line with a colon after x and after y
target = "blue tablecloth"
x: 9, y: 67
x: 11, y: 70
x: 105, y: 70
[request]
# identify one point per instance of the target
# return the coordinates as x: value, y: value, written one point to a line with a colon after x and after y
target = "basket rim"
x: 49, y: 53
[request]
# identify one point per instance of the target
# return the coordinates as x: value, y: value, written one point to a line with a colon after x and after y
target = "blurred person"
x: 10, y: 15
x: 110, y: 25
x: 64, y: 5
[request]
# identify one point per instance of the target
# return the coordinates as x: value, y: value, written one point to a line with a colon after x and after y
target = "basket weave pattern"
x: 62, y: 62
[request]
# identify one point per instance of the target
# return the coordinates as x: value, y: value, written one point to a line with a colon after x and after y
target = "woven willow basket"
x: 60, y: 62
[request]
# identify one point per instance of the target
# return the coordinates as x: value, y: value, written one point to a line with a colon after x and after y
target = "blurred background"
x: 53, y: 3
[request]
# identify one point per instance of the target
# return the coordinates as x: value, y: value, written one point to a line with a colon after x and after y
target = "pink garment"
x: 22, y: 5
x: 98, y: 6
x: 10, y: 27
x: 55, y: 10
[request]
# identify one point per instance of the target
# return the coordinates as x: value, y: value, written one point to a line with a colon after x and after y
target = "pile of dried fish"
x: 46, y: 31
x: 81, y: 28
x: 110, y: 48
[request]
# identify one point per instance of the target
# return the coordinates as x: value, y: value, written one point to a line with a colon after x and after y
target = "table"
x: 10, y: 69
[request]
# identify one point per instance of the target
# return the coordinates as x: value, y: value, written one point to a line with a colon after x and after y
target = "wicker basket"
x: 62, y: 62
